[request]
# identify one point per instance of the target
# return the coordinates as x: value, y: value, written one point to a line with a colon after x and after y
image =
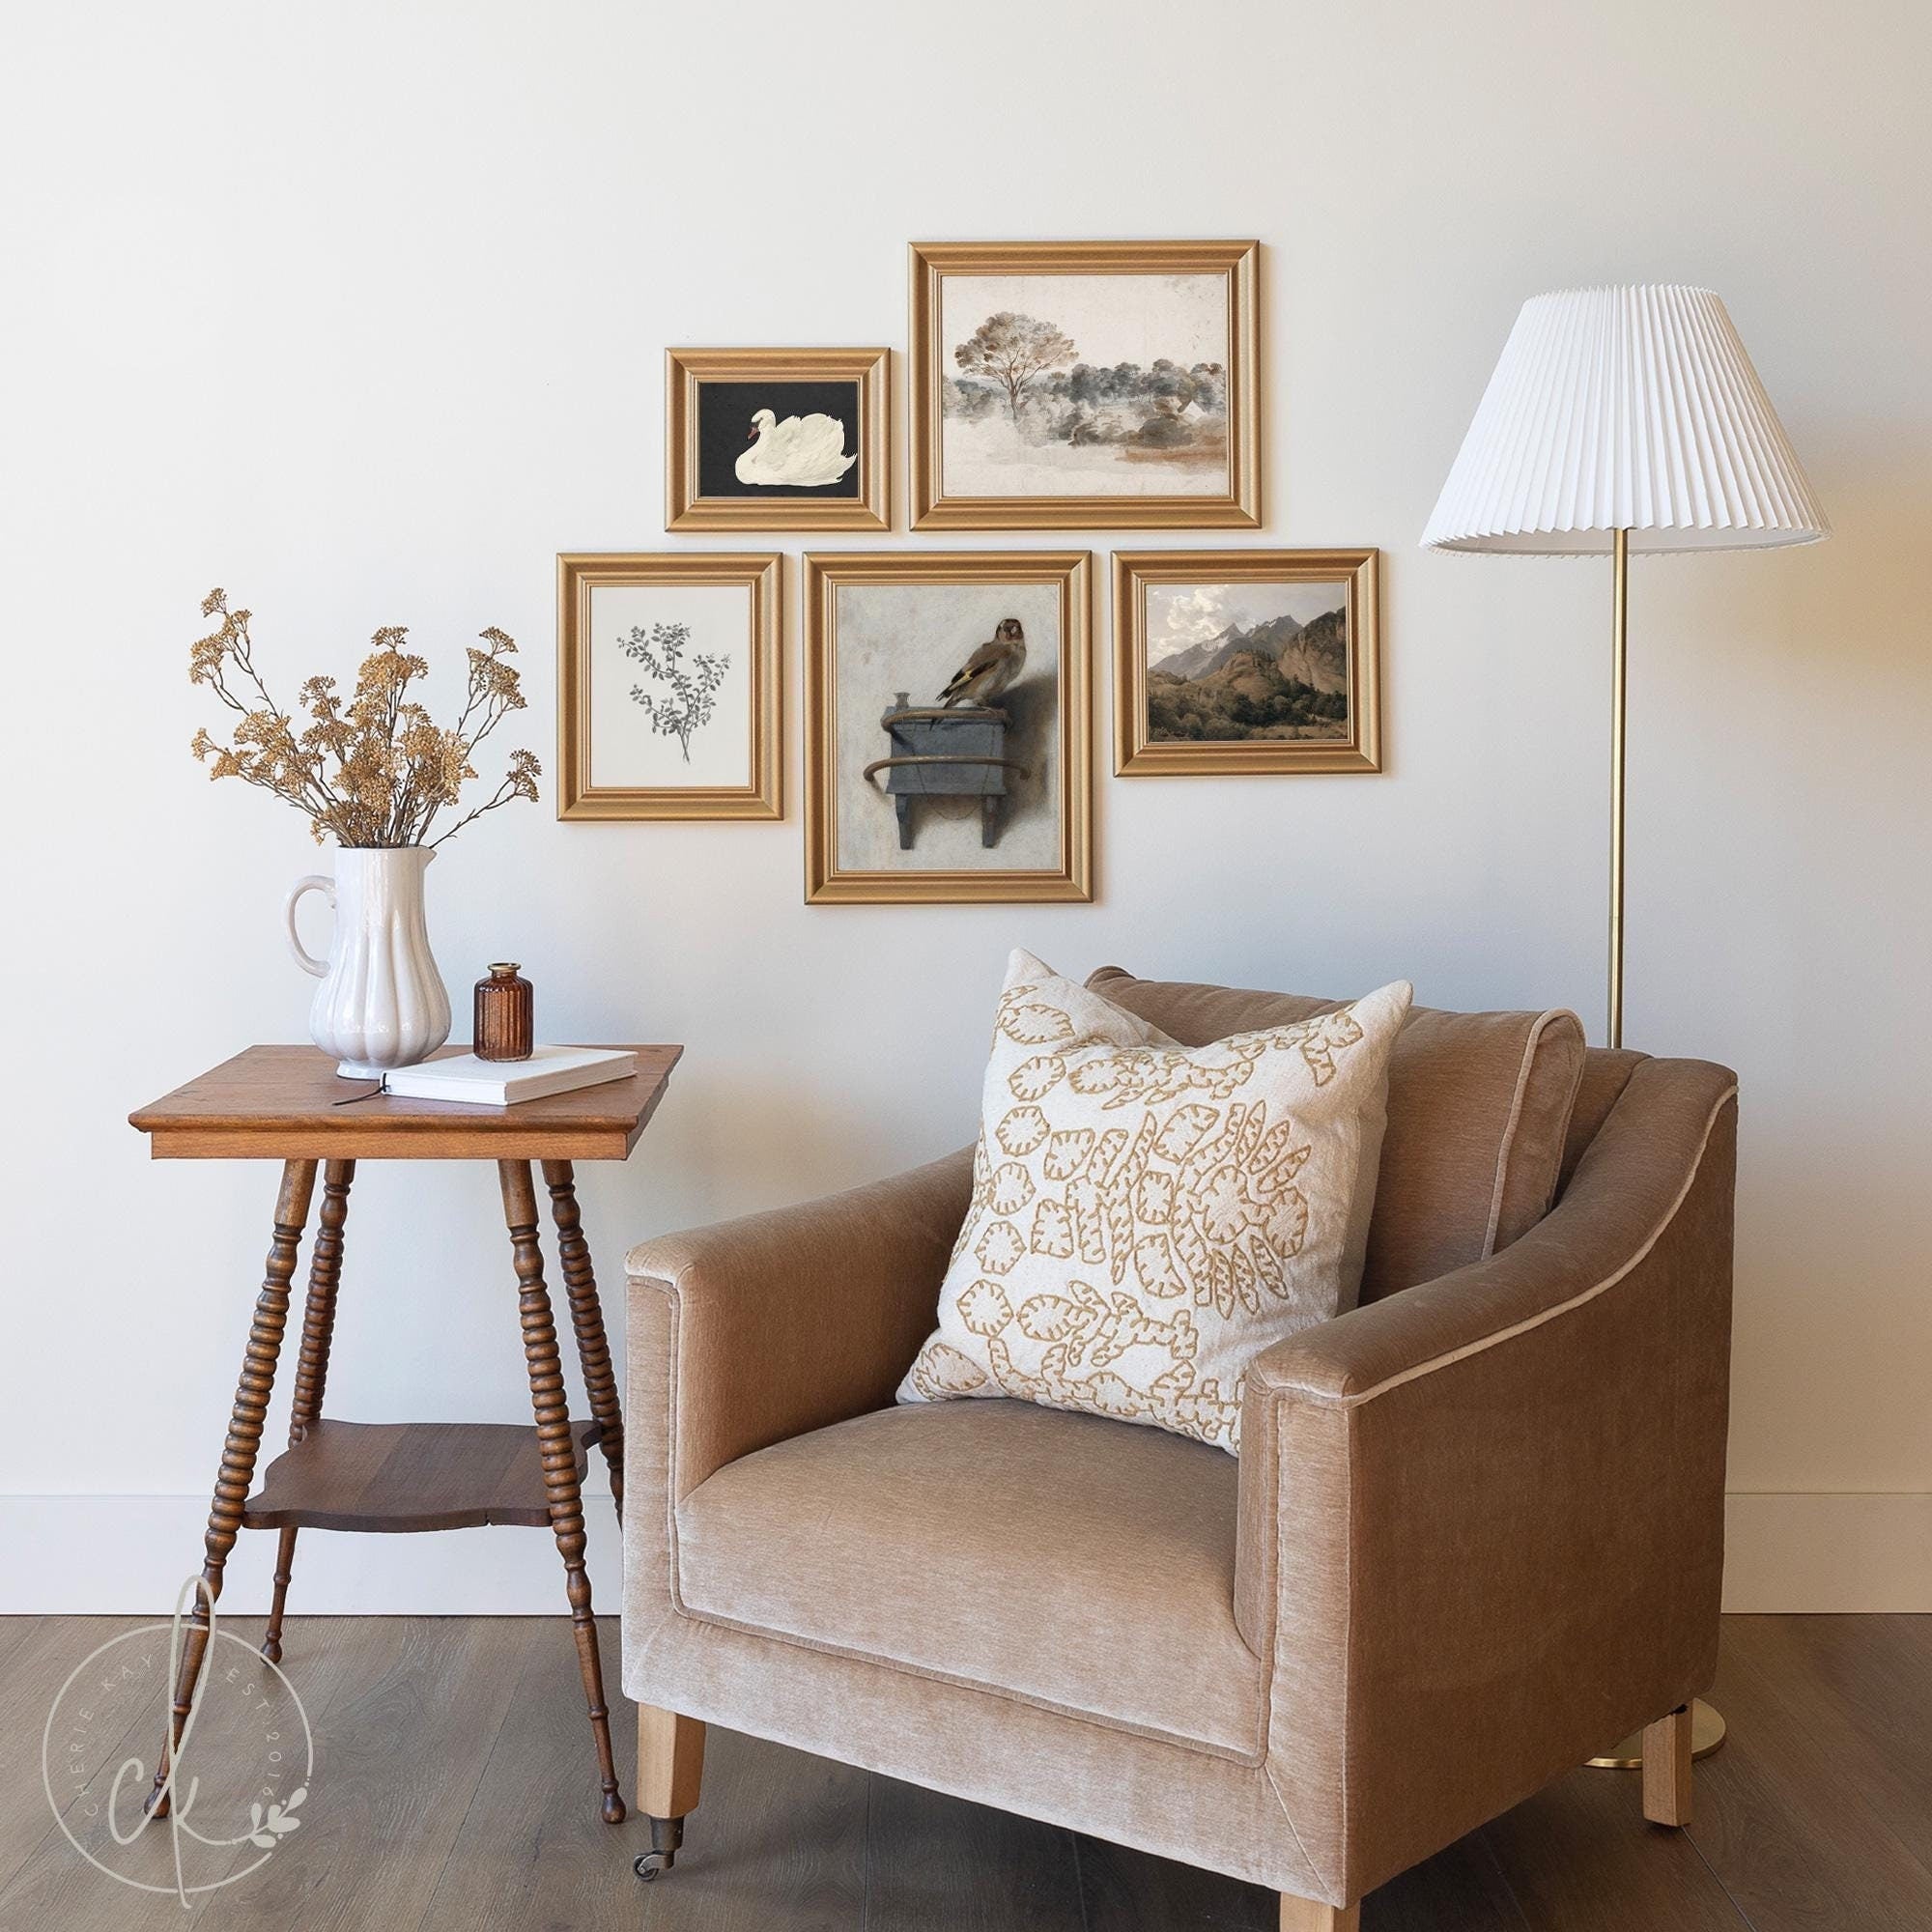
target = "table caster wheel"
x: 666, y: 1836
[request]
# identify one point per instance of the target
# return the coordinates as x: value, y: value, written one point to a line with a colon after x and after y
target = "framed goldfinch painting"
x: 949, y: 726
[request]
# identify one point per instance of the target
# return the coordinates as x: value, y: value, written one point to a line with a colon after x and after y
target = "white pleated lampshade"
x: 1629, y: 409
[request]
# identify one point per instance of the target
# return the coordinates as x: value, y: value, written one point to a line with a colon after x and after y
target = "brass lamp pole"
x: 1613, y: 413
x: 1707, y: 1722
x: 1619, y: 661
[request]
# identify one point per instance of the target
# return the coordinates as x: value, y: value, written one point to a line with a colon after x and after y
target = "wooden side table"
x: 287, y: 1103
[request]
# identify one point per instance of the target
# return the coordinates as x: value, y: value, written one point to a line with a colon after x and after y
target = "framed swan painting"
x: 1085, y: 385
x: 778, y: 439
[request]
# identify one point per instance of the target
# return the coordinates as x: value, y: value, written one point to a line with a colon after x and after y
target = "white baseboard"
x: 127, y: 1555
x: 1820, y: 1553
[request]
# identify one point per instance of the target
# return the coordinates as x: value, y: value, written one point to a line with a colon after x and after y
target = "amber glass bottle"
x: 505, y: 1021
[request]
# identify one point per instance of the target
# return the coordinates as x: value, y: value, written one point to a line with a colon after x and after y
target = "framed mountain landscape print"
x: 1085, y: 385
x: 1246, y: 660
x: 778, y: 439
x: 669, y: 687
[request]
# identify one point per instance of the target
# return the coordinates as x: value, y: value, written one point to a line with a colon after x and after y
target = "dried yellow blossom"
x: 377, y: 772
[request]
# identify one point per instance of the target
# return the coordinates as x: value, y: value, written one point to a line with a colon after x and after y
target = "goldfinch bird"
x: 990, y: 669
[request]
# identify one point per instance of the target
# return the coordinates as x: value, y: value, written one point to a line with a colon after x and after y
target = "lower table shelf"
x: 403, y: 1476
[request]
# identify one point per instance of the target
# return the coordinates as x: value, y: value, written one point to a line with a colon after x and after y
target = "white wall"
x: 360, y: 311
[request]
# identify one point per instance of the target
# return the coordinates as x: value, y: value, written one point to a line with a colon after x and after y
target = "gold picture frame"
x: 583, y: 793
x: 1183, y: 441
x: 799, y: 377
x: 848, y: 748
x: 1142, y: 750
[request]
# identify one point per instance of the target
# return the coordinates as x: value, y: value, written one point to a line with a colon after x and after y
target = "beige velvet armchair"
x: 1474, y: 1535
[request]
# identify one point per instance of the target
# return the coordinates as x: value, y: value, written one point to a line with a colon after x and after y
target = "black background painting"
x: 725, y: 411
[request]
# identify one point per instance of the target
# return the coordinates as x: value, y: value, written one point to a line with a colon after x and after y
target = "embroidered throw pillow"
x: 1148, y: 1217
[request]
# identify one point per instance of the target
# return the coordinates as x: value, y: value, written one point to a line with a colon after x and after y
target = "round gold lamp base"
x: 1707, y: 1733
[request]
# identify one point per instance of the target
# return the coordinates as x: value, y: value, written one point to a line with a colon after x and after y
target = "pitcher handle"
x: 314, y: 882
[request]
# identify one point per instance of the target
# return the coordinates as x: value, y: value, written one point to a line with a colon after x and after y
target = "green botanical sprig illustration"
x: 693, y: 696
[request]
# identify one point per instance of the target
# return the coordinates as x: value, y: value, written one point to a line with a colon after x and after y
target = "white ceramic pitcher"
x: 382, y: 1003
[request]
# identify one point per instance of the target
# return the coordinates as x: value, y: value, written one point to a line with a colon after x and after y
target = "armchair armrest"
x: 757, y: 1330
x: 1482, y: 1520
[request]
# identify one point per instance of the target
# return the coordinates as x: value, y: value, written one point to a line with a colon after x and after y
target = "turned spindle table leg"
x: 242, y: 1444
x: 324, y: 1276
x: 587, y: 1317
x: 558, y: 1453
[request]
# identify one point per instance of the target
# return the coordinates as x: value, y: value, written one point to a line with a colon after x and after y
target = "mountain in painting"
x: 1277, y: 679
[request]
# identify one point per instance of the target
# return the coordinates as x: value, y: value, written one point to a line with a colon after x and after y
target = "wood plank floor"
x: 455, y: 1793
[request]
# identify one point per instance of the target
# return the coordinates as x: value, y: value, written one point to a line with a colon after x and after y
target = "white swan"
x: 802, y: 451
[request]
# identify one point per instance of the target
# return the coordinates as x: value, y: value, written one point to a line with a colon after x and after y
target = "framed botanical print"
x: 948, y: 727
x: 1246, y: 660
x: 670, y: 685
x: 778, y: 439
x: 1085, y: 384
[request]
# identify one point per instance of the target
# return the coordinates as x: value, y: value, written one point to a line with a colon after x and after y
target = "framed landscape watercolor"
x: 778, y: 439
x: 1246, y: 660
x: 948, y: 727
x: 670, y: 685
x: 1085, y: 384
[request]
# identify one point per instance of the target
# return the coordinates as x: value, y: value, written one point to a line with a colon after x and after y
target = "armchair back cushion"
x: 1479, y: 1108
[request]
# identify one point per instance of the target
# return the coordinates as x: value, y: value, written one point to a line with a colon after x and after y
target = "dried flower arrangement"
x: 376, y: 772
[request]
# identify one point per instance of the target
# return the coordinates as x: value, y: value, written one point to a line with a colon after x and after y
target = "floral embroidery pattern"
x: 1140, y: 1223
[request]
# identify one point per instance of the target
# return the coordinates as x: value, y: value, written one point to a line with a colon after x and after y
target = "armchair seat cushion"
x: 1066, y: 1560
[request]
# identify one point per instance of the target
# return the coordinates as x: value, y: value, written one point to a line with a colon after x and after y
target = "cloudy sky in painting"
x: 1180, y: 614
x: 1111, y: 318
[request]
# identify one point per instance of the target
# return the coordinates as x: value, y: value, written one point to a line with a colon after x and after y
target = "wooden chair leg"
x: 1304, y: 1915
x: 1666, y: 1769
x: 239, y: 1449
x: 670, y: 1768
x: 324, y: 1276
x: 558, y: 1455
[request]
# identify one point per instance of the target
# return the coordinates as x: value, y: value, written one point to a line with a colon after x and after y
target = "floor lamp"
x: 1624, y: 420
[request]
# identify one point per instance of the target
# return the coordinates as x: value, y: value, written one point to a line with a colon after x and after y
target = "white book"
x: 501, y: 1082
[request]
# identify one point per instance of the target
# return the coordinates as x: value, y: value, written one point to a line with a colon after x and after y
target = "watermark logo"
x: 235, y: 1784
